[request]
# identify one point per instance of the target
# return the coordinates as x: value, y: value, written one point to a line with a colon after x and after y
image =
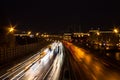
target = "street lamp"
x: 115, y: 30
x: 11, y: 29
x: 98, y: 33
x: 37, y: 34
x: 29, y: 32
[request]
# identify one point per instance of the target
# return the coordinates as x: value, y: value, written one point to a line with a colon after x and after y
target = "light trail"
x: 32, y: 66
x: 92, y: 66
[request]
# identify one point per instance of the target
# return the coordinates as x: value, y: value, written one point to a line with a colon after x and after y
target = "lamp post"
x: 10, y: 36
x: 11, y: 29
x: 98, y: 33
x: 29, y: 32
x: 115, y: 30
x: 37, y: 34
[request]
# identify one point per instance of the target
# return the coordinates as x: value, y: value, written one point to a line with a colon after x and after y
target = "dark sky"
x: 58, y: 16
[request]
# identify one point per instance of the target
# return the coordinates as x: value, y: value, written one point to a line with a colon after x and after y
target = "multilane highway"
x: 42, y: 65
x: 63, y: 61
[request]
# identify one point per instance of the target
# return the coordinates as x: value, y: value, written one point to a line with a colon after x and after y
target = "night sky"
x: 60, y: 16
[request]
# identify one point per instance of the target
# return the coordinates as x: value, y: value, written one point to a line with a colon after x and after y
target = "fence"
x: 8, y: 54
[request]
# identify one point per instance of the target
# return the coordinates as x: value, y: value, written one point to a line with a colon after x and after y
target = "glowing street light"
x: 115, y: 31
x: 29, y: 32
x: 98, y: 33
x: 37, y: 34
x: 11, y: 29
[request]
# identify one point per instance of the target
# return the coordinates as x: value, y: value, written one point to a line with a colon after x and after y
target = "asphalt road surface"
x: 85, y: 66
